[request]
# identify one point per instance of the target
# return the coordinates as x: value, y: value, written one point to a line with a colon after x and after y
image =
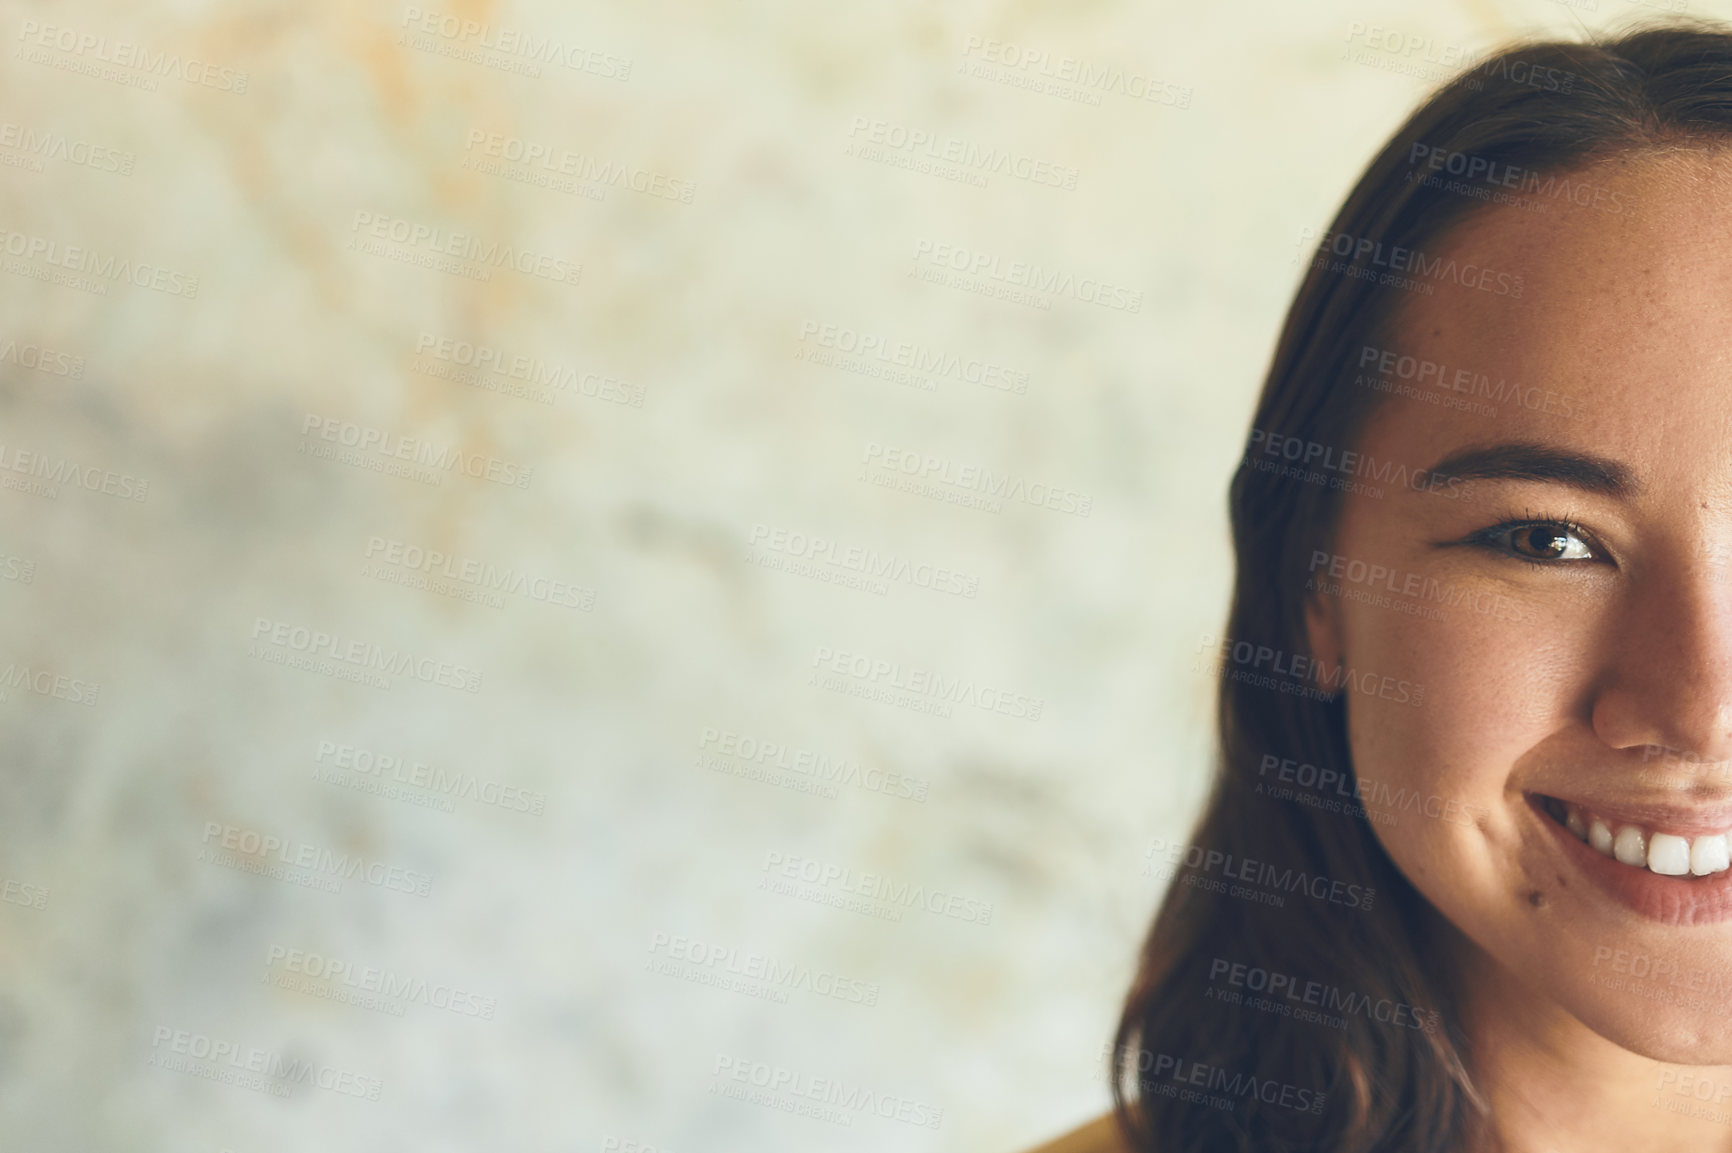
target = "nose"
x: 1670, y: 680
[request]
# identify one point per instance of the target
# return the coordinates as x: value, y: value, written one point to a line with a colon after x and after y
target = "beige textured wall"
x: 602, y: 828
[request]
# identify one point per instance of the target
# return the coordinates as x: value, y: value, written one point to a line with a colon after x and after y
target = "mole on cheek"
x: 1537, y: 899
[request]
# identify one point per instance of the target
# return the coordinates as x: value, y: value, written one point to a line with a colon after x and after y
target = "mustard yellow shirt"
x: 1098, y: 1136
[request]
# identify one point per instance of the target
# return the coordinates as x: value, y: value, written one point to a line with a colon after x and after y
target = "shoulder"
x: 1098, y: 1136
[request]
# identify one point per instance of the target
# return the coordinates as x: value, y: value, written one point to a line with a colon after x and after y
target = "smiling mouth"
x: 1639, y: 847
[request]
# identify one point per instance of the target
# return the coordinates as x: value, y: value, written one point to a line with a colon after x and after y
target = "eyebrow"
x: 1527, y: 461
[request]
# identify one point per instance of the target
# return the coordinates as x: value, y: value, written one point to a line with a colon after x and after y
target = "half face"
x: 1560, y: 585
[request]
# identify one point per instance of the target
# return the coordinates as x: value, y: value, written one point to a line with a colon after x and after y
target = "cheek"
x: 1494, y: 681
x: 1434, y: 774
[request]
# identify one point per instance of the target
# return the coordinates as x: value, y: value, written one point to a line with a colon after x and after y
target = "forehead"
x: 1627, y: 313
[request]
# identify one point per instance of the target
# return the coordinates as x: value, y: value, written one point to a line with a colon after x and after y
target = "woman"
x: 1463, y: 880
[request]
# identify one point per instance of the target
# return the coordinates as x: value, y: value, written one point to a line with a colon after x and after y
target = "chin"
x: 1674, y: 1034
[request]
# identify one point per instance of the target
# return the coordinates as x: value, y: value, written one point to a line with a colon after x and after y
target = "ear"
x: 1323, y: 629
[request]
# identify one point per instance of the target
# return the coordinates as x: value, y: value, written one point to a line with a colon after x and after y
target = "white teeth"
x: 1630, y: 846
x: 1709, y: 855
x: 1668, y: 855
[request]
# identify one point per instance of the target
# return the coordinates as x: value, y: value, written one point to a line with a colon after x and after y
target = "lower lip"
x: 1669, y: 900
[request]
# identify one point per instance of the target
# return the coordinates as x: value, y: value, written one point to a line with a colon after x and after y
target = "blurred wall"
x: 627, y: 576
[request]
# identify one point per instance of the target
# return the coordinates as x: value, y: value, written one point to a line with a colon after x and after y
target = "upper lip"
x: 1686, y: 819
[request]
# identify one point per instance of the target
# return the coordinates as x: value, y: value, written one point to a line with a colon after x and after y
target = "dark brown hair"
x: 1551, y: 110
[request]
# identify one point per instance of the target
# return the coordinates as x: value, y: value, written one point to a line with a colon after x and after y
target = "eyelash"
x: 1492, y: 539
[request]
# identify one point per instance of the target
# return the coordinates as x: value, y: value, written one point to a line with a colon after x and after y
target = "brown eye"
x: 1542, y: 543
x: 1546, y: 542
